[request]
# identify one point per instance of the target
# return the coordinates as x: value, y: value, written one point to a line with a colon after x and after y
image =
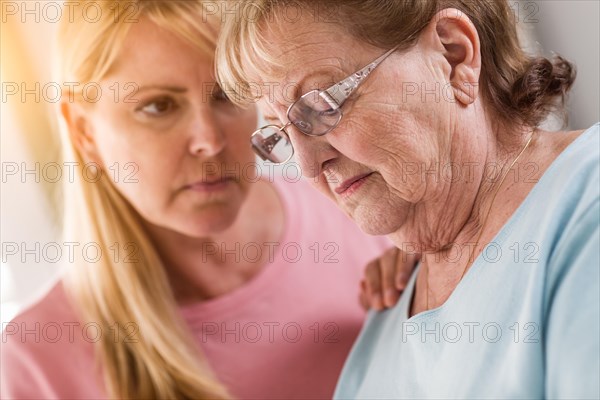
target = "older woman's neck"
x: 460, y: 195
x: 446, y: 226
x: 496, y: 166
x: 445, y: 263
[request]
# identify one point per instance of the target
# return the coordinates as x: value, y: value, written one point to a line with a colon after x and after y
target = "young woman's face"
x: 171, y: 142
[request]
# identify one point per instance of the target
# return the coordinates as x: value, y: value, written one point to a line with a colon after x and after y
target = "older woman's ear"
x: 80, y: 130
x: 453, y: 34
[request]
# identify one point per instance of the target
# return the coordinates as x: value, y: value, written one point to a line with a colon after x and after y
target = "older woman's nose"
x: 311, y: 153
x: 206, y: 135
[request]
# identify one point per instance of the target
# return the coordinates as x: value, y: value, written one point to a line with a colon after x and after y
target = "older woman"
x: 209, y: 282
x: 420, y: 120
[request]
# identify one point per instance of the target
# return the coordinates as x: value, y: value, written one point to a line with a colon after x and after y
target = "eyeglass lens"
x: 272, y: 145
x: 313, y: 114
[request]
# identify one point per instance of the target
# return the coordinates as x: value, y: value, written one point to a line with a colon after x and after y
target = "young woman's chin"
x: 208, y: 221
x: 196, y: 219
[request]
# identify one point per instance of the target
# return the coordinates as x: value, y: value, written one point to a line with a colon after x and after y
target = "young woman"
x: 206, y: 282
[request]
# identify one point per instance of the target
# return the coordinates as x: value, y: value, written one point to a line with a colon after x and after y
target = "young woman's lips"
x: 209, y: 186
x: 351, y: 185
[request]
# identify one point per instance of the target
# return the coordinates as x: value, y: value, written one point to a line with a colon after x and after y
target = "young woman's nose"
x: 207, y: 137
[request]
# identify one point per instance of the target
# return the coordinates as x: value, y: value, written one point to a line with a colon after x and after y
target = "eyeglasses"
x: 314, y: 114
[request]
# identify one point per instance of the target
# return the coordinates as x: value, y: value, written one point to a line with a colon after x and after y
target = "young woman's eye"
x: 219, y: 96
x: 158, y: 107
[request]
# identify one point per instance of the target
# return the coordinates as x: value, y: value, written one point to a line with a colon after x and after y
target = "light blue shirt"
x: 525, y: 320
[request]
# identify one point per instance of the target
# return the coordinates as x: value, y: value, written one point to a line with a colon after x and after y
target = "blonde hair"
x: 161, y: 360
x: 516, y: 86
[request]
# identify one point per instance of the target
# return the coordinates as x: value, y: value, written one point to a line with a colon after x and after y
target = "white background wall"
x: 571, y: 28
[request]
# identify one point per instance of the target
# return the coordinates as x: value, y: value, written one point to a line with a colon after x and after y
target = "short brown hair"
x: 517, y: 87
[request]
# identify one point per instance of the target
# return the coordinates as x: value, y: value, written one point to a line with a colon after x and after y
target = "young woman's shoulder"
x: 46, y: 351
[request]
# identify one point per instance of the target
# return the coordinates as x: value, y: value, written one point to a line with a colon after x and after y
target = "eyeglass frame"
x: 335, y: 95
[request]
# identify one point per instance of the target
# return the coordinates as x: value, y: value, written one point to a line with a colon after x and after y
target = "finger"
x: 362, y: 297
x: 373, y: 284
x: 388, y: 276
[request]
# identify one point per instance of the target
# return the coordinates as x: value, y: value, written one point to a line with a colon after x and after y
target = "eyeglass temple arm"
x: 337, y: 94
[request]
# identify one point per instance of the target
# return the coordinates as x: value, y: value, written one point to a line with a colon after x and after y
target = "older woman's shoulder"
x: 580, y: 145
x: 570, y: 195
x: 586, y: 145
x: 575, y: 173
x: 574, y: 179
x: 572, y: 281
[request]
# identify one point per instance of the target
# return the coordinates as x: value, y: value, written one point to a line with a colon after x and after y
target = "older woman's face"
x: 171, y: 145
x: 372, y: 164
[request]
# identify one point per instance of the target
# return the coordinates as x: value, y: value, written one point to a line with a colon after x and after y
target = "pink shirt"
x: 283, y: 335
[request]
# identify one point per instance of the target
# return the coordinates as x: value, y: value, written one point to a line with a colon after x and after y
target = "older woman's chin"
x: 375, y: 223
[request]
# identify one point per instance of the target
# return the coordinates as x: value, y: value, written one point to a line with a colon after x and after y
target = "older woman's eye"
x: 328, y: 113
x: 158, y: 107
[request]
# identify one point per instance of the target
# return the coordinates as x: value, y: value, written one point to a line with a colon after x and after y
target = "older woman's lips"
x: 349, y: 186
x: 209, y: 186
